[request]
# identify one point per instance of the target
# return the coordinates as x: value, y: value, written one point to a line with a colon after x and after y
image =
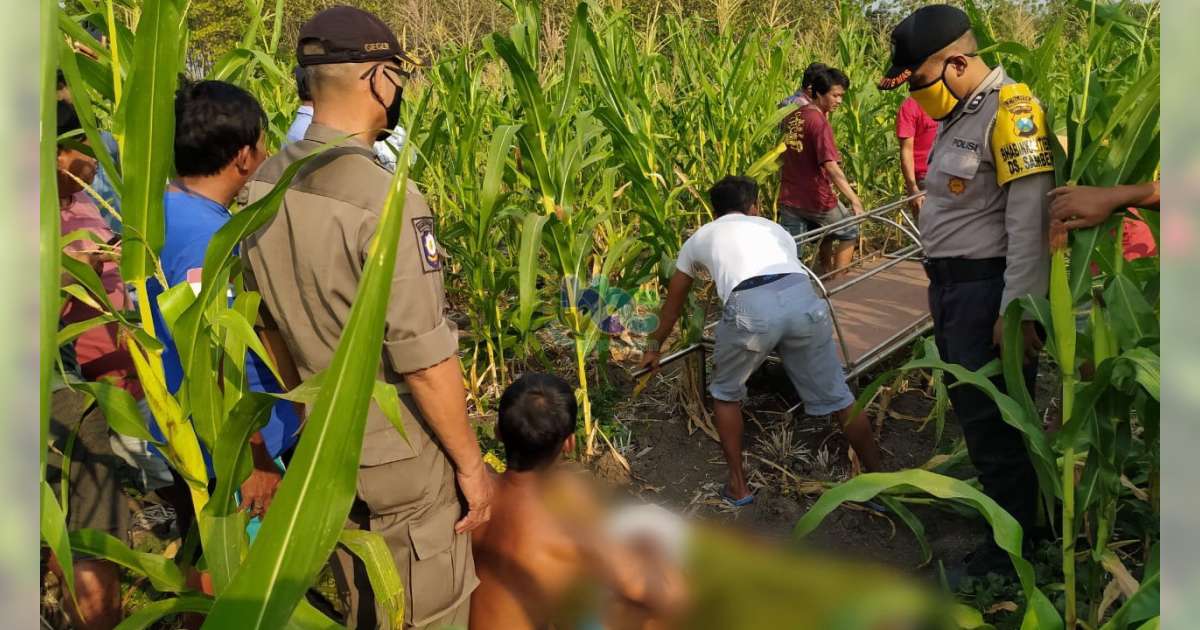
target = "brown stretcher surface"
x: 876, y: 309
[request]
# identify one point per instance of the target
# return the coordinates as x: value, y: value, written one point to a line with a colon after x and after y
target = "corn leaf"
x: 231, y: 465
x: 160, y: 570
x: 71, y: 332
x: 147, y: 615
x: 493, y: 177
x: 371, y: 548
x: 1083, y: 245
x: 306, y: 617
x: 572, y: 64
x: 914, y: 524
x: 149, y: 131
x: 233, y: 370
x: 1144, y: 605
x: 88, y: 279
x: 236, y: 325
x: 174, y: 301
x: 182, y: 446
x: 525, y: 80
x: 527, y: 269
x: 1133, y: 319
x: 388, y: 398
x: 54, y: 532
x: 383, y: 394
x: 120, y: 409
x: 1043, y: 458
x: 1005, y: 530
x: 1012, y: 358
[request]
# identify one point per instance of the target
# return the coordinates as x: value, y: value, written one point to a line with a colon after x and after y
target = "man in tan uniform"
x: 307, y: 263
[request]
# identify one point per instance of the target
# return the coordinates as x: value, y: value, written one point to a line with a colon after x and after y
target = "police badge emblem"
x: 956, y: 185
x: 431, y: 259
x: 1025, y: 126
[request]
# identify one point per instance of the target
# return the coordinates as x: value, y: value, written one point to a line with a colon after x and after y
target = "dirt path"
x: 684, y: 470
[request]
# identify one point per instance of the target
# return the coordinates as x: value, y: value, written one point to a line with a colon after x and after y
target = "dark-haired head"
x: 301, y: 76
x: 74, y: 166
x: 824, y: 79
x: 829, y: 86
x: 537, y: 421
x: 68, y: 119
x: 810, y: 72
x: 216, y: 124
x: 734, y: 193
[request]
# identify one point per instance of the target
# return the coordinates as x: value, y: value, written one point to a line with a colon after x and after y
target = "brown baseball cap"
x: 344, y: 34
x: 923, y: 33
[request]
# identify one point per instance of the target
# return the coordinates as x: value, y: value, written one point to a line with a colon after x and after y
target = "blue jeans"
x: 785, y: 315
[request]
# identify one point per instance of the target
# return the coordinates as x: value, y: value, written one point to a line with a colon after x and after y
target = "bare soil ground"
x: 682, y: 468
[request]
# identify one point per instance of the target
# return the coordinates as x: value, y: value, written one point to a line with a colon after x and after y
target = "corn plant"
x: 1104, y: 461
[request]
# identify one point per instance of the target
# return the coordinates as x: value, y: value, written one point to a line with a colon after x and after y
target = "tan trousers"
x: 413, y: 504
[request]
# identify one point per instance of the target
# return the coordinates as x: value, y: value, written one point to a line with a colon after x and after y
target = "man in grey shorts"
x: 769, y: 305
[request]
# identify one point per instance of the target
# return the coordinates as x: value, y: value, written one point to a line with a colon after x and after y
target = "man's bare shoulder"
x: 530, y: 527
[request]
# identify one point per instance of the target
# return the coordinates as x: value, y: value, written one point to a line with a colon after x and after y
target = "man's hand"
x: 477, y: 487
x: 650, y: 359
x: 1083, y: 206
x: 259, y: 489
x: 1033, y: 343
x: 856, y: 206
x: 919, y: 202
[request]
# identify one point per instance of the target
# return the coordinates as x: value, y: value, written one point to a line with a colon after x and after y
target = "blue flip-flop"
x: 876, y: 506
x: 732, y: 502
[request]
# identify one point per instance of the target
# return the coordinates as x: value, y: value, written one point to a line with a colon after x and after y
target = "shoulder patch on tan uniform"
x: 431, y: 258
x: 1020, y: 140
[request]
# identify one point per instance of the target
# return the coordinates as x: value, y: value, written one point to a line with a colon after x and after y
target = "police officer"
x: 307, y: 262
x: 984, y: 227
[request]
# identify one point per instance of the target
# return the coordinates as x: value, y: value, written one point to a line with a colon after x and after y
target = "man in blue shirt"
x: 219, y: 143
x: 305, y: 112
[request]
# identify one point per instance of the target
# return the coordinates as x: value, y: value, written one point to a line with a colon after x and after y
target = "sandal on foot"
x: 732, y: 502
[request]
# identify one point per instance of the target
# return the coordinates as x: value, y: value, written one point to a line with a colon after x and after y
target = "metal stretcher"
x: 878, y: 306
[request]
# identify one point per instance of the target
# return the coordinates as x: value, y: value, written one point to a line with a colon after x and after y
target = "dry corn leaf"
x: 1005, y: 606
x: 1121, y: 576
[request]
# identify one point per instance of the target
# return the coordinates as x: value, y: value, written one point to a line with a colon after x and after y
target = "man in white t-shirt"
x: 769, y: 305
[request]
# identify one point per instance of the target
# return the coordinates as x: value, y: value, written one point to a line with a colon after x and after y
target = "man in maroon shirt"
x: 916, y: 131
x: 812, y: 167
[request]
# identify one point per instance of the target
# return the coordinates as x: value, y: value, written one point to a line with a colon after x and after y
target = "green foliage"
x: 565, y: 148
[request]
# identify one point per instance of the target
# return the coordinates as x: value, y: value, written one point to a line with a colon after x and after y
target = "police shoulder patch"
x: 1020, y: 140
x: 427, y: 245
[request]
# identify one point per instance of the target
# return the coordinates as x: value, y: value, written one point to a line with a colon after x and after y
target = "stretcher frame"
x: 908, y: 332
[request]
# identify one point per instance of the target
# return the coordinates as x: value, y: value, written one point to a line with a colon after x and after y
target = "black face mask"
x: 393, y: 109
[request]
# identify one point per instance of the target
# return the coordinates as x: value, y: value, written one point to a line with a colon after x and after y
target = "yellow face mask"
x: 936, y: 98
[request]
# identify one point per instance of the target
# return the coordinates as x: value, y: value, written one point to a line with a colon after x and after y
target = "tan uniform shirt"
x: 308, y: 260
x: 968, y: 212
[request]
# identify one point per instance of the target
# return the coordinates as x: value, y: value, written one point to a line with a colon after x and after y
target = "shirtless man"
x: 543, y: 559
